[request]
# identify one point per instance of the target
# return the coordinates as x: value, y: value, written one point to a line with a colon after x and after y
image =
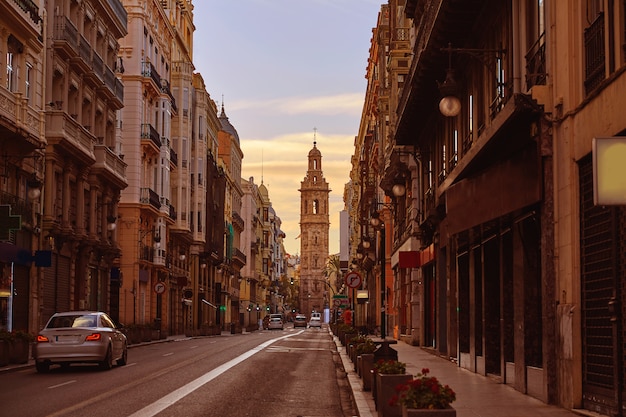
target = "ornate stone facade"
x: 314, y: 225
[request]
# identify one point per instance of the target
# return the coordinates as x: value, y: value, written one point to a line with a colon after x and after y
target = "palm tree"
x: 332, y: 271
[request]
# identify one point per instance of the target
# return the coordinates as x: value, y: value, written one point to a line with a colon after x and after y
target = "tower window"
x: 316, y: 205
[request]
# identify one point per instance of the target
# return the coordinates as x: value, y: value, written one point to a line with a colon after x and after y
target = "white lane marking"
x: 174, y: 396
x: 193, y: 347
x: 60, y: 385
x: 168, y: 354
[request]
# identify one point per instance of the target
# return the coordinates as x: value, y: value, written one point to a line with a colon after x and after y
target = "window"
x: 10, y: 84
x: 316, y: 205
x: 27, y: 89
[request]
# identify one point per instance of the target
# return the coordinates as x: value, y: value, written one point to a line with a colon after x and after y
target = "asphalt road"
x: 295, y: 372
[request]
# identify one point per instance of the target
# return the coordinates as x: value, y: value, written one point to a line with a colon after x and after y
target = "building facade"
x: 22, y: 160
x: 504, y: 263
x: 231, y: 157
x: 85, y: 171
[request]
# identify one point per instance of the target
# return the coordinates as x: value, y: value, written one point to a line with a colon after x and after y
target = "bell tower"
x: 314, y: 227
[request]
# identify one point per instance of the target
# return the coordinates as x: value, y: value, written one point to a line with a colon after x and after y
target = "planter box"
x: 415, y: 412
x: 19, y: 350
x: 385, y: 390
x: 4, y: 353
x: 367, y: 368
x: 347, y: 337
x: 146, y: 334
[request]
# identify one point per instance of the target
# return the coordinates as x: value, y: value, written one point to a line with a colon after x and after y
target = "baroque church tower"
x: 314, y: 226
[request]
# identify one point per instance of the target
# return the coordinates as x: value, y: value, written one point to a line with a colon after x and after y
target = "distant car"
x: 299, y: 320
x: 315, y: 322
x: 80, y: 337
x: 276, y: 323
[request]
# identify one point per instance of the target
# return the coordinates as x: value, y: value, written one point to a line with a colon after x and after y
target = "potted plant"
x: 425, y: 396
x: 365, y: 352
x: 354, y: 346
x: 19, y: 346
x: 5, y: 340
x: 388, y: 374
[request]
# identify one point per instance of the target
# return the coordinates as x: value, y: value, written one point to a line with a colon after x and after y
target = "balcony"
x: 65, y: 36
x: 30, y: 8
x: 165, y: 88
x: 238, y: 221
x: 19, y: 206
x: 148, y: 71
x: 114, y: 88
x: 21, y: 117
x: 149, y: 196
x: 65, y: 132
x: 109, y: 166
x: 173, y: 215
x: 173, y: 157
x: 146, y: 252
x: 150, y: 134
x: 239, y: 258
x: 536, y: 71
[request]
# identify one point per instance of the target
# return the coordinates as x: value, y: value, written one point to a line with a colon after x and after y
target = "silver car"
x: 275, y: 323
x: 315, y: 322
x: 80, y: 337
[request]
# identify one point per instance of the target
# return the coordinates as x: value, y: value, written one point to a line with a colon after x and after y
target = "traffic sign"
x: 159, y: 288
x: 353, y: 279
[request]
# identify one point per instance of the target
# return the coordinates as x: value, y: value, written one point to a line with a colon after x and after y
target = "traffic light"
x: 267, y: 308
x: 291, y: 282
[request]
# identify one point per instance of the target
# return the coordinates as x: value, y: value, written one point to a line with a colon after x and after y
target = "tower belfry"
x: 314, y: 228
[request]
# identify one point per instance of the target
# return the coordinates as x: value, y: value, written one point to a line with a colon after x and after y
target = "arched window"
x: 316, y: 206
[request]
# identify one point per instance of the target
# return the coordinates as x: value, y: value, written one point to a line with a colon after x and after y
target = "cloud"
x: 345, y: 103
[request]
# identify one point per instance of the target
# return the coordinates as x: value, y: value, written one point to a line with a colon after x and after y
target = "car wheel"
x: 124, y: 359
x: 107, y: 363
x: 42, y: 367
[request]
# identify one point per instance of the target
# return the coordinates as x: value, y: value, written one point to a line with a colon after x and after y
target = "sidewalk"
x: 477, y: 395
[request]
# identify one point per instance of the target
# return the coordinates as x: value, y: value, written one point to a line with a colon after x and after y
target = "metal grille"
x: 598, y: 247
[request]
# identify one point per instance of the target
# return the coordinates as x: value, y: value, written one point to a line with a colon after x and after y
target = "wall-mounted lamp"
x: 34, y: 188
x: 398, y: 190
x: 450, y: 105
x: 111, y: 219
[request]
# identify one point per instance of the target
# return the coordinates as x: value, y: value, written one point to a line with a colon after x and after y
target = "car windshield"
x: 88, y: 320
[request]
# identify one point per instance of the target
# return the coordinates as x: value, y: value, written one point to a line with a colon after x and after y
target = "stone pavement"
x: 477, y: 395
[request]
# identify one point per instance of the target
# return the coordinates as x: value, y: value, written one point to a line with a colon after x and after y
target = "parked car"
x: 276, y: 323
x: 299, y: 320
x: 80, y: 337
x: 315, y: 321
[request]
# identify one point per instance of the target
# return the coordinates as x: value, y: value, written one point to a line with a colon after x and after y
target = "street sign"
x: 159, y: 288
x: 353, y: 279
x: 341, y: 301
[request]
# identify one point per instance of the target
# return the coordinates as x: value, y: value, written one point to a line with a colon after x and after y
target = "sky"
x: 290, y: 72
